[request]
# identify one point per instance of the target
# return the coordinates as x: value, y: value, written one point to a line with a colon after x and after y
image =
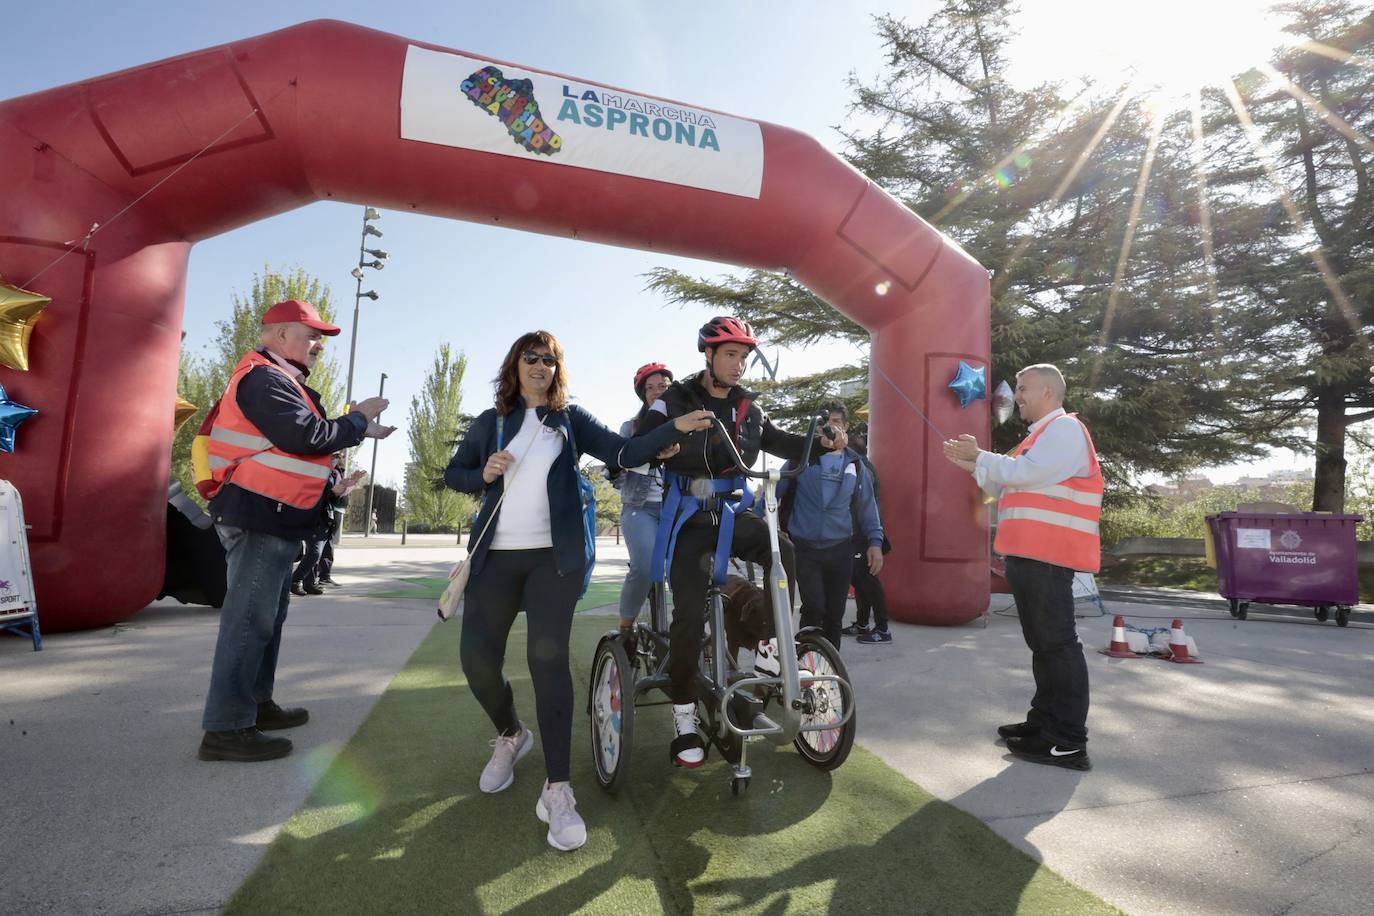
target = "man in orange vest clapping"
x: 1049, y: 502
x: 269, y: 456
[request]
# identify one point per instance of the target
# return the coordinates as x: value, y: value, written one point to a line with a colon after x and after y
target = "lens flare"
x: 345, y: 793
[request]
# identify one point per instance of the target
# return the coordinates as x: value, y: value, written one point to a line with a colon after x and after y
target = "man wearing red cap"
x: 270, y: 462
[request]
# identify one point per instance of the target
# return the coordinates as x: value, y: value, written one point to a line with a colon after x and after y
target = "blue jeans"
x: 1044, y: 603
x: 640, y: 527
x: 245, y: 666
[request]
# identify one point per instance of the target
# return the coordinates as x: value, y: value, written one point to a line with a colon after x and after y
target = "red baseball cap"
x: 302, y: 311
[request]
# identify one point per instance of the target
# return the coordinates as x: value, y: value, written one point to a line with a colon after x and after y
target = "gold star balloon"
x: 185, y: 411
x: 19, y: 311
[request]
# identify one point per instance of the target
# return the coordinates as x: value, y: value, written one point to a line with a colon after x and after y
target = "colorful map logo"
x: 512, y: 102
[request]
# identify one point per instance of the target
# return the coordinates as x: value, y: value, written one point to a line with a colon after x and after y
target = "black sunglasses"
x: 530, y: 357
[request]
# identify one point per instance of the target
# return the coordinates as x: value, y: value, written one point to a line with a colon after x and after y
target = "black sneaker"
x: 330, y: 582
x: 314, y: 590
x: 1019, y: 730
x: 1038, y: 750
x: 272, y: 717
x: 874, y: 636
x: 853, y: 630
x: 298, y: 589
x: 245, y: 745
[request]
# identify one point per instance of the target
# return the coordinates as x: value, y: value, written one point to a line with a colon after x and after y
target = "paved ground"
x: 1244, y: 785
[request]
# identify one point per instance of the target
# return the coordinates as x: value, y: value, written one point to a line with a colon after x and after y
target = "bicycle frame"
x: 789, y: 679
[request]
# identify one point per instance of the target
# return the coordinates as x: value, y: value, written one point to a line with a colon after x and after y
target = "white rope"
x: 84, y: 242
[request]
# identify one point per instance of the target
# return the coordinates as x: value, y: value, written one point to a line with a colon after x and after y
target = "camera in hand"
x: 828, y: 432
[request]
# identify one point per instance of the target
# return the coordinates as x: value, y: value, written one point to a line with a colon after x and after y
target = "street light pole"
x: 378, y: 262
x: 372, y: 477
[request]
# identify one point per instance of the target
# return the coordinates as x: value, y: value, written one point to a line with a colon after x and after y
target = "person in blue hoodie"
x: 521, y: 458
x: 820, y: 509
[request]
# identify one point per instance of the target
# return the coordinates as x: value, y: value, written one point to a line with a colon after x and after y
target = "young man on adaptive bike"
x: 727, y: 344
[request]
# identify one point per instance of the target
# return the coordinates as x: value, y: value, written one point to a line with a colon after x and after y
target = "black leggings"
x: 692, y: 560
x: 512, y: 580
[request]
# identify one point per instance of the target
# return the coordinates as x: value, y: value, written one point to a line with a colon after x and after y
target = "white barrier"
x: 18, y: 607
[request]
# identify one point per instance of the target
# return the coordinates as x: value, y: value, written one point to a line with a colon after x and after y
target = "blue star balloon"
x: 970, y: 384
x: 11, y: 415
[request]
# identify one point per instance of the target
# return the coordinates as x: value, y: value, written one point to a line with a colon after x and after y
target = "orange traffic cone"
x: 1178, y: 646
x: 1118, y: 647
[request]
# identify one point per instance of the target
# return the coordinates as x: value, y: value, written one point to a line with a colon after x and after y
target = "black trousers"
x: 1044, y: 603
x: 692, y: 559
x: 512, y: 581
x: 823, y: 576
x: 307, y: 570
x: 326, y: 564
x: 869, y: 596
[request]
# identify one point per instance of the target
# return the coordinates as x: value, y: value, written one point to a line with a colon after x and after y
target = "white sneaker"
x: 558, y: 808
x: 499, y: 772
x: 766, y: 661
x: 686, y: 753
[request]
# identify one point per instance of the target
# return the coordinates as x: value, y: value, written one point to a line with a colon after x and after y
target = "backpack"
x: 587, y: 494
x: 200, y: 455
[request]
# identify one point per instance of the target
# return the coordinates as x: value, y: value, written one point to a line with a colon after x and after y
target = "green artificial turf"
x: 599, y: 594
x: 396, y: 824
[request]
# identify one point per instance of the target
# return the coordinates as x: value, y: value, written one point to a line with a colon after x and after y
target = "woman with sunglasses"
x: 641, y: 499
x: 523, y: 455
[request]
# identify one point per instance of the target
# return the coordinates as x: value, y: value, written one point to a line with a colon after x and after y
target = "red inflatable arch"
x: 261, y: 126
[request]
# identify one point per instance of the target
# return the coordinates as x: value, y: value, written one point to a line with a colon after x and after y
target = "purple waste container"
x: 1308, y: 559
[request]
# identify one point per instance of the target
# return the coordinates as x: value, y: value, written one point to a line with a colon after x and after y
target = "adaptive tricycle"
x: 808, y: 701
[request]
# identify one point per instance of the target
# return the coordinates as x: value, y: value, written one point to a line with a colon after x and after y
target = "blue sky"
x: 783, y: 62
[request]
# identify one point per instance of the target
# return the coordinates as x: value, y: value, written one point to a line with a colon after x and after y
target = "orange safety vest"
x: 240, y: 454
x: 1057, y: 523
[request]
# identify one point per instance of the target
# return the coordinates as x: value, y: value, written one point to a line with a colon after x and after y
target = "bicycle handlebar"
x: 761, y: 475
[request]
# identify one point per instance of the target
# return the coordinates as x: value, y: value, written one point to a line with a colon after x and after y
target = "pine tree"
x: 1087, y: 206
x: 1290, y: 160
x: 436, y: 423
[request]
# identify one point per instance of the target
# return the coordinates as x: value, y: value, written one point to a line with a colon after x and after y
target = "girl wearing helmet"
x: 641, y: 498
x: 726, y: 343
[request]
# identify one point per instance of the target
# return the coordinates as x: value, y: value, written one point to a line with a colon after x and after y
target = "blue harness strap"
x: 728, y: 510
x: 679, y: 505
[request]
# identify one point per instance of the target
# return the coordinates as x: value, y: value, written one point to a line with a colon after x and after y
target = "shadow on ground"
x: 396, y: 825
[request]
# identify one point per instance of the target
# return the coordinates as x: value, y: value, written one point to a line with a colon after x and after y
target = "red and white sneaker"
x: 688, y: 749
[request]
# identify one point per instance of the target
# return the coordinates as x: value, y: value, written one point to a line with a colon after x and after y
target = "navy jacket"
x: 464, y: 473
x: 276, y: 408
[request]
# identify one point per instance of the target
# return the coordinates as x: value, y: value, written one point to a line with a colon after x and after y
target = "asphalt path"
x: 1242, y: 785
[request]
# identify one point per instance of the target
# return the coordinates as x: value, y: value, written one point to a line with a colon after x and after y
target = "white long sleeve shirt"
x: 524, y: 522
x: 1061, y: 452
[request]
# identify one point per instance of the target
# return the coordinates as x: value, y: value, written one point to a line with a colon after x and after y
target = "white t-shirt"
x: 524, y: 520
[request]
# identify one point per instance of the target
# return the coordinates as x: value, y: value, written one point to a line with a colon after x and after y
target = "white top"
x: 524, y: 520
x: 1061, y: 452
